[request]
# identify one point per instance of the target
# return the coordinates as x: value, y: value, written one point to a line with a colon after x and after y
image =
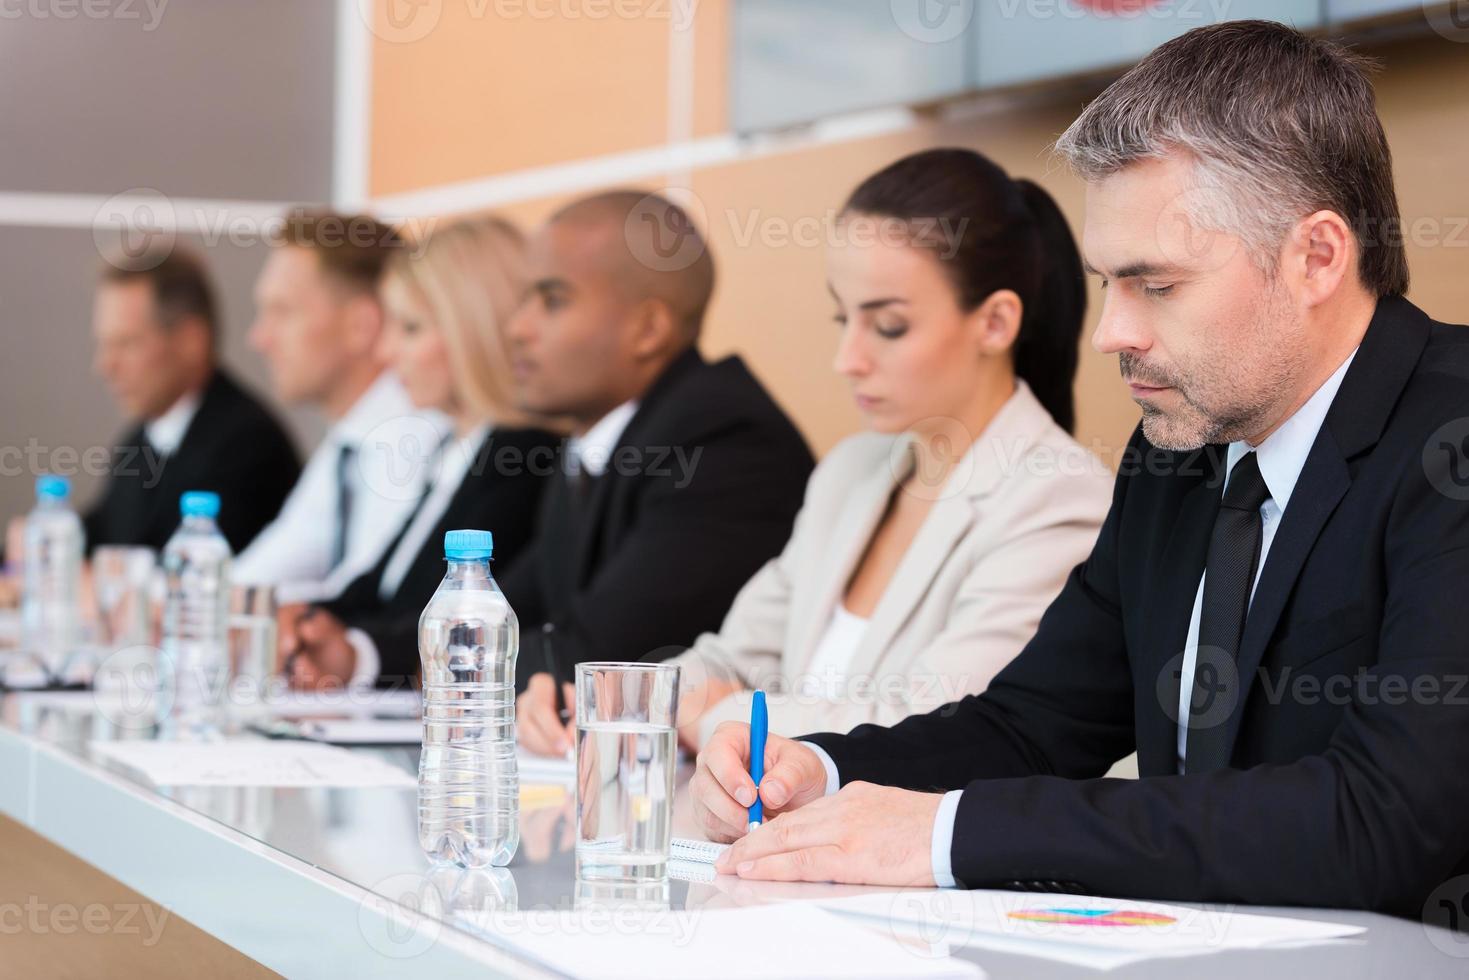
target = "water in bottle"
x: 194, y: 666
x: 50, y: 604
x: 468, y: 786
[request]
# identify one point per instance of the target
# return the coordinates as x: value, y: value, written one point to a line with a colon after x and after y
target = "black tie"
x: 1229, y: 577
x: 345, y: 456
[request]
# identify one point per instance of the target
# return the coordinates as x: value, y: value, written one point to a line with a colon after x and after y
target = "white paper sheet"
x: 756, y: 943
x: 1100, y: 933
x: 252, y: 763
x: 363, y: 731
x: 361, y: 702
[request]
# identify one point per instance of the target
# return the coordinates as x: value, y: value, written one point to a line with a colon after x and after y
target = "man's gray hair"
x: 1279, y: 125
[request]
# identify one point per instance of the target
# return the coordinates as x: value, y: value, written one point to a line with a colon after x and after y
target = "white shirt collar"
x: 166, y: 432
x: 458, y: 458
x: 1283, y: 454
x: 593, y: 451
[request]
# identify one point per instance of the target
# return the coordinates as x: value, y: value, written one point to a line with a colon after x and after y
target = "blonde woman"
x: 446, y: 301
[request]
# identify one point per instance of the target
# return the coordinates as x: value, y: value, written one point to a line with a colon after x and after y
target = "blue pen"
x: 759, y: 724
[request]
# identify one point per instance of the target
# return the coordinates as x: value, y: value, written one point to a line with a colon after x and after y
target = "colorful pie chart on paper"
x: 1094, y: 917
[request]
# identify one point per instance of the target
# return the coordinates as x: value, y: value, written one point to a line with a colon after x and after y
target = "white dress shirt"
x: 453, y: 466
x: 392, y: 445
x: 166, y: 432
x: 826, y: 672
x: 1282, y: 456
x: 593, y: 451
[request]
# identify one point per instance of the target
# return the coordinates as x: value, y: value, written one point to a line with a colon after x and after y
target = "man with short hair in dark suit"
x: 682, y: 477
x: 1274, y: 614
x: 157, y: 333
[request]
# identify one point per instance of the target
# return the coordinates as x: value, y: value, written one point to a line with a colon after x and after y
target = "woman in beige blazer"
x: 927, y: 549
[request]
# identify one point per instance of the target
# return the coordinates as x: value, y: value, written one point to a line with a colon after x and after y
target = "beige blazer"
x: 1021, y: 509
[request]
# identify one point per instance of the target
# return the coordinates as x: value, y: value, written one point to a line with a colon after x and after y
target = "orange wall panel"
x: 493, y: 86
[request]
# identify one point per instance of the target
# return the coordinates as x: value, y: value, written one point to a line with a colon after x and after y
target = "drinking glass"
x: 626, y: 755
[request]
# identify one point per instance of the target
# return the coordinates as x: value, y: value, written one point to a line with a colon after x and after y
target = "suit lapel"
x: 1172, y: 606
x: 1323, y: 482
x: 941, y: 531
x: 595, y: 529
x: 862, y: 510
x: 592, y: 526
x: 1359, y: 413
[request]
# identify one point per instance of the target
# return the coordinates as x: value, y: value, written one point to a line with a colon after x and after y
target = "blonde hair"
x: 470, y: 276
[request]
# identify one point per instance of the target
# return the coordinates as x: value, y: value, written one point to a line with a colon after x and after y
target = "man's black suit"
x: 1349, y: 779
x: 501, y: 494
x: 233, y: 446
x: 700, y: 492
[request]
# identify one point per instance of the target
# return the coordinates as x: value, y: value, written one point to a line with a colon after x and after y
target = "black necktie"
x: 345, y: 457
x: 1229, y: 577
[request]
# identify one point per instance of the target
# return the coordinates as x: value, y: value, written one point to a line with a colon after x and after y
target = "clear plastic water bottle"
x: 193, y: 669
x: 468, y: 786
x: 52, y: 576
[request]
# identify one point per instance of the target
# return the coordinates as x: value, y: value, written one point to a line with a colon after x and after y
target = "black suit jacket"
x: 701, y: 491
x: 501, y: 493
x: 233, y: 446
x: 1349, y: 781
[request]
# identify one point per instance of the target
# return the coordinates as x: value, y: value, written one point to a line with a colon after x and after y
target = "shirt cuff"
x: 369, y: 664
x: 940, y: 849
x: 833, y: 781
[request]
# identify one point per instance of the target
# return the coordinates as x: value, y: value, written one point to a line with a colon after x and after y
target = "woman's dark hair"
x: 990, y: 233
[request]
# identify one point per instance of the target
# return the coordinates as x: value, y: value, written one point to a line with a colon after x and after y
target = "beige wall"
x: 772, y: 305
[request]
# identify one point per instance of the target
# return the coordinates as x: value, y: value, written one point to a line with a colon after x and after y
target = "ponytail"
x: 1046, y: 352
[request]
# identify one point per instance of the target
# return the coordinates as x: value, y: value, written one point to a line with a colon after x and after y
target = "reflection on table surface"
x: 369, y: 836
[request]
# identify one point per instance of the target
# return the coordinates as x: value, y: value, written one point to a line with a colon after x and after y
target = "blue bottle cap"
x: 199, y: 503
x: 465, y: 545
x: 52, y: 487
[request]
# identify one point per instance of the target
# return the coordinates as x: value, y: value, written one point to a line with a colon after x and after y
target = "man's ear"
x: 655, y: 329
x: 1319, y: 255
x: 996, y: 321
x: 363, y: 318
x: 193, y: 340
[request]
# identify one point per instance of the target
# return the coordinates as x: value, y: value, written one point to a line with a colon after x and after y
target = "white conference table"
x: 331, y: 881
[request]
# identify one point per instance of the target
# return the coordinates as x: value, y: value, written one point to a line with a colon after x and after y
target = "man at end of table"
x: 1273, y: 614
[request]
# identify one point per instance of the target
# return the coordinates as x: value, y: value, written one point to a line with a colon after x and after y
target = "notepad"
x: 696, y: 851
